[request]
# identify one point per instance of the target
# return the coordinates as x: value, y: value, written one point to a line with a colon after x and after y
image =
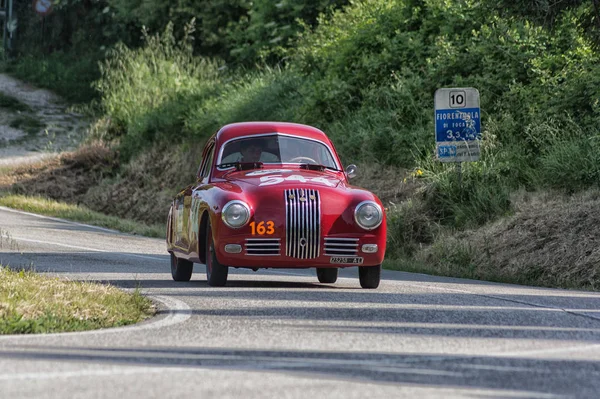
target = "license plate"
x: 346, y: 260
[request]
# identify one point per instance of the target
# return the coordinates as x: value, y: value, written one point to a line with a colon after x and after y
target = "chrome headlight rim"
x: 357, y: 210
x: 229, y: 205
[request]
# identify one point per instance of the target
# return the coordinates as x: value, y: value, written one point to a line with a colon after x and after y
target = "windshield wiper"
x: 241, y: 165
x: 315, y: 166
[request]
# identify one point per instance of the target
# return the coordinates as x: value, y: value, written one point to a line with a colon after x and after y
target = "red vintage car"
x: 274, y: 195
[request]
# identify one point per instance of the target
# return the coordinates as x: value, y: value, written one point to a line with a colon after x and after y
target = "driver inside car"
x: 251, y: 151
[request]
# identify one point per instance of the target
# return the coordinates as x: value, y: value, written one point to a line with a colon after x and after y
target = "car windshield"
x: 277, y: 149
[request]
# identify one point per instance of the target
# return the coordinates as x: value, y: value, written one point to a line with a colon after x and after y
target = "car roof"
x: 240, y: 129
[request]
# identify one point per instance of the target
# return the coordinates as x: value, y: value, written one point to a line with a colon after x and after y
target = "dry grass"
x: 66, y: 177
x: 147, y: 185
x: 551, y: 240
x: 52, y: 187
x: 10, y: 175
x: 32, y: 303
x: 392, y: 185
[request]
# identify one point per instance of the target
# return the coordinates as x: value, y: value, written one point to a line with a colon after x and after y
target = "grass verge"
x: 78, y: 213
x: 31, y: 303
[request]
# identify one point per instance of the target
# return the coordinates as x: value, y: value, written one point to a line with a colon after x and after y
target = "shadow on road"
x: 476, y: 323
x: 533, y: 378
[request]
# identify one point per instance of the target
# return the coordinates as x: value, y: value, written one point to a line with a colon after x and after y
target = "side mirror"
x: 351, y: 171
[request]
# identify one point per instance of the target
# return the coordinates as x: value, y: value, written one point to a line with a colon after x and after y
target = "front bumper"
x: 279, y: 256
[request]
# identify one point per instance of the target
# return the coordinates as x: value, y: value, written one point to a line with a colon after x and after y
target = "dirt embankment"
x: 552, y: 238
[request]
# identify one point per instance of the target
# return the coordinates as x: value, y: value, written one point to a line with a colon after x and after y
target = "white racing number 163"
x: 277, y: 179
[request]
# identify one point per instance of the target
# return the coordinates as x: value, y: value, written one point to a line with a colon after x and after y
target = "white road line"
x: 3, y: 208
x: 179, y: 312
x: 85, y: 373
x: 549, y: 351
x: 77, y: 247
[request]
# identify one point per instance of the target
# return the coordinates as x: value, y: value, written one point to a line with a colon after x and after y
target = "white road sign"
x: 457, y: 124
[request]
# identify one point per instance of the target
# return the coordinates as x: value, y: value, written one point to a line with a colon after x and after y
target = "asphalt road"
x: 281, y: 334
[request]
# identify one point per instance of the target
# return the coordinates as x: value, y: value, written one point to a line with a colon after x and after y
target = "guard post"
x: 9, y: 25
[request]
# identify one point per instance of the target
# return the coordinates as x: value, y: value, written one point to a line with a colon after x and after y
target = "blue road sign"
x: 457, y: 124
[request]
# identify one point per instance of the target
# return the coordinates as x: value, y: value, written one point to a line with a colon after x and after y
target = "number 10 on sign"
x: 457, y: 99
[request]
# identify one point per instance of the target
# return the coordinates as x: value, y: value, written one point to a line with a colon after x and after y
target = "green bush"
x: 270, y: 28
x: 572, y: 165
x: 270, y: 94
x: 148, y: 92
x: 69, y: 75
x: 409, y: 226
x: 472, y: 195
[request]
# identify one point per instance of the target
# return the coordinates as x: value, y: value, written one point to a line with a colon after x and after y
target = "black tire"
x: 327, y: 275
x: 181, y: 269
x: 216, y: 273
x: 369, y: 276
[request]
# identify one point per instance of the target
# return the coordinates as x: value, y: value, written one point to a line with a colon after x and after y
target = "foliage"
x: 67, y: 74
x: 572, y: 165
x: 147, y: 92
x: 409, y: 227
x: 238, y: 31
x: 270, y: 28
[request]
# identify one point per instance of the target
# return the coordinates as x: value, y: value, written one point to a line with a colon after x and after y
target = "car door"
x: 197, y: 201
x: 180, y: 218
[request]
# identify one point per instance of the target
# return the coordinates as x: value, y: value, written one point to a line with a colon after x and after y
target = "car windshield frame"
x: 250, y: 136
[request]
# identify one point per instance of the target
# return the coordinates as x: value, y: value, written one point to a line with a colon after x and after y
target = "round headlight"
x: 368, y: 215
x: 235, y: 214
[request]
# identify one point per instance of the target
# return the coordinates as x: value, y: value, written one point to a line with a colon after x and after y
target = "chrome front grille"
x: 263, y: 246
x: 303, y: 223
x: 335, y: 246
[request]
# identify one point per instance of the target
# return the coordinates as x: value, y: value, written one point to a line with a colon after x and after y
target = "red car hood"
x: 284, y: 177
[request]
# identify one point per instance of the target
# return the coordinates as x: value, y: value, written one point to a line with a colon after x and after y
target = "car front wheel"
x: 216, y: 273
x: 181, y: 269
x: 327, y: 275
x: 369, y: 276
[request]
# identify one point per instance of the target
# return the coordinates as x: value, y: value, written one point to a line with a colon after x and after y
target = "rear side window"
x: 207, y: 163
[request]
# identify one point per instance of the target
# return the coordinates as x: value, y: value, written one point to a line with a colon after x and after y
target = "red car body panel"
x: 266, y: 191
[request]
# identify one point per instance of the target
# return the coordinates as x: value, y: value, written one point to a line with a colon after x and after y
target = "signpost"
x: 42, y: 7
x: 9, y: 25
x: 457, y: 124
